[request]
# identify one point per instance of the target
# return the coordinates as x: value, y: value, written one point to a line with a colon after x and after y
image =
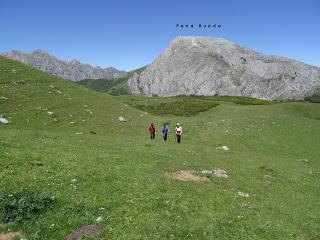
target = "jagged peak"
x: 39, y: 51
x: 73, y: 61
x: 12, y: 52
x: 69, y: 69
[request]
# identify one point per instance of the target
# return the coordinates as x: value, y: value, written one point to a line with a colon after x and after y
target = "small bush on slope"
x: 315, y: 98
x: 22, y: 205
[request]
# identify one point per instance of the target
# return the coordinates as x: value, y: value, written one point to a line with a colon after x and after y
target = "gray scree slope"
x: 71, y: 70
x: 214, y: 66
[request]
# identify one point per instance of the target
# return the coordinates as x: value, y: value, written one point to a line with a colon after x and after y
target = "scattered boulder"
x: 3, y: 120
x: 206, y: 172
x: 122, y: 119
x: 220, y: 173
x: 303, y: 160
x: 3, y: 98
x: 225, y: 148
x: 243, y: 194
x: 84, y: 231
x: 269, y: 177
x: 50, y: 113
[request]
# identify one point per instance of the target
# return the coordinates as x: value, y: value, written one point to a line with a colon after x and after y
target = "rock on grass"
x: 3, y: 120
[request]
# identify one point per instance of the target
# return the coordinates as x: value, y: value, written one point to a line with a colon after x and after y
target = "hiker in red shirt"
x: 152, y: 130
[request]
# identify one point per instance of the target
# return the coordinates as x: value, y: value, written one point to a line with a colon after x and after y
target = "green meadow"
x: 67, y: 161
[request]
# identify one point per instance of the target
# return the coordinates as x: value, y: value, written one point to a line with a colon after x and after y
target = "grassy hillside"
x: 81, y: 165
x: 116, y: 86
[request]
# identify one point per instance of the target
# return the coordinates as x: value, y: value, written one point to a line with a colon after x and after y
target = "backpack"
x: 165, y: 129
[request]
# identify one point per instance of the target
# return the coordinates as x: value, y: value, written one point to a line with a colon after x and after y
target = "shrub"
x: 22, y: 205
x: 252, y: 101
x: 315, y: 98
x: 236, y: 99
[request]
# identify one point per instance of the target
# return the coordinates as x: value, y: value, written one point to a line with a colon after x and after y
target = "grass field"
x: 67, y: 161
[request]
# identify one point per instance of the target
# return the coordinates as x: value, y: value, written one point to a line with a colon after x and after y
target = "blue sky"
x: 130, y: 34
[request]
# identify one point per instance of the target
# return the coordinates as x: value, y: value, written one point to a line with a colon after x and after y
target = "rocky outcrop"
x: 72, y: 70
x: 214, y: 66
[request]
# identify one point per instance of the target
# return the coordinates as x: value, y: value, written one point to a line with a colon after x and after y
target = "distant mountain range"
x: 193, y: 66
x: 72, y: 70
x: 215, y: 66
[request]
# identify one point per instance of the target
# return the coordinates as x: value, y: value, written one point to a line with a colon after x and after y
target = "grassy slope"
x: 119, y: 174
x: 114, y: 86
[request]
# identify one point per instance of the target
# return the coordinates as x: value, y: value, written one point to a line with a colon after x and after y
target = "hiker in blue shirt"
x: 165, y: 131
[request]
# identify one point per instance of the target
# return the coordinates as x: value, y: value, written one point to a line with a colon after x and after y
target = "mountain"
x: 215, y: 66
x: 72, y: 70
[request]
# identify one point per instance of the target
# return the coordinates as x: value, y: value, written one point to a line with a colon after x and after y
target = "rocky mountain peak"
x: 38, y: 52
x: 73, y: 61
x: 215, y: 66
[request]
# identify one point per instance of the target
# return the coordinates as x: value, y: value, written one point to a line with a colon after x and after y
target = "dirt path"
x: 10, y: 235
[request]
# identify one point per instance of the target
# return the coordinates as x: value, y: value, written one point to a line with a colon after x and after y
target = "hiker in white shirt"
x: 178, y: 132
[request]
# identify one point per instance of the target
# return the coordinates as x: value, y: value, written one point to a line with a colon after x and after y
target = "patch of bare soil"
x: 186, y: 176
x: 10, y: 235
x: 84, y: 231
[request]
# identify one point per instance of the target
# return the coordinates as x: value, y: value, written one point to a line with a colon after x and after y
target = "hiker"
x: 178, y: 132
x: 165, y: 131
x: 152, y: 130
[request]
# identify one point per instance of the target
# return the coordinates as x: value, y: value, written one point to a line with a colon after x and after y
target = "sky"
x: 130, y: 34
